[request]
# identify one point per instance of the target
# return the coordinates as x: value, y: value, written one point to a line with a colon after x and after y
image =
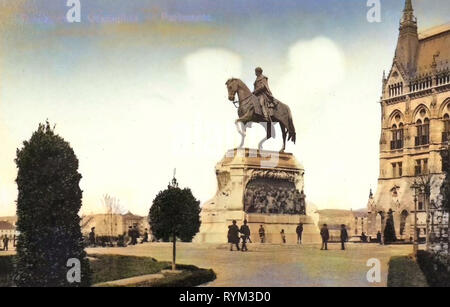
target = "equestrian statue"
x: 260, y: 107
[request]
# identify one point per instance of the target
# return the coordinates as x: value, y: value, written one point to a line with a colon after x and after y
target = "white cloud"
x: 209, y: 68
x: 316, y: 69
x: 314, y: 65
x: 334, y: 141
x: 204, y: 117
x: 311, y: 85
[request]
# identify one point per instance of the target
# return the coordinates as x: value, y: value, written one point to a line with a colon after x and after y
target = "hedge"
x: 435, y: 267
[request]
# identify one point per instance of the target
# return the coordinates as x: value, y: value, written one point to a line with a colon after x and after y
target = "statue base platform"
x: 262, y: 187
x: 214, y: 227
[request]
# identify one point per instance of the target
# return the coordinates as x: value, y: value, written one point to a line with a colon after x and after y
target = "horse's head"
x: 232, y: 87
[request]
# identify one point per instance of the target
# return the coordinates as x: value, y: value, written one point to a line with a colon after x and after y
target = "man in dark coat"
x: 245, y: 230
x: 344, y: 236
x: 92, y: 237
x: 233, y: 235
x: 299, y: 232
x: 325, y: 237
x: 5, y: 242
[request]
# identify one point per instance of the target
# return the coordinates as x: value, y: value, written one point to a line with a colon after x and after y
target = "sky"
x: 137, y: 88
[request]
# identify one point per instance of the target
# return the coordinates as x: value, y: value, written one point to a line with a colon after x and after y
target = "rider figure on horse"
x: 262, y: 91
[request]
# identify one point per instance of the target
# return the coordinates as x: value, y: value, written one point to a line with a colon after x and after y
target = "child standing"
x: 283, y: 236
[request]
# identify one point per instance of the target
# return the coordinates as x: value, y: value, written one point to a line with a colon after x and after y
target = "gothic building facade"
x: 415, y: 127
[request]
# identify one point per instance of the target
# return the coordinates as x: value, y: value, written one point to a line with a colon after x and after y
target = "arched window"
x: 446, y: 132
x: 397, y: 137
x: 423, y: 132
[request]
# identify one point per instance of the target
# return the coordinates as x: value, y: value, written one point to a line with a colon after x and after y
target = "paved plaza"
x: 275, y: 265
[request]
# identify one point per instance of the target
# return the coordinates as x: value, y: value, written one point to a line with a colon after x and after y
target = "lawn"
x: 405, y: 272
x: 113, y: 267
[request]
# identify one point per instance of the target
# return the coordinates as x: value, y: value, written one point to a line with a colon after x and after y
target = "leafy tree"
x: 175, y: 213
x: 389, y: 230
x: 47, y: 210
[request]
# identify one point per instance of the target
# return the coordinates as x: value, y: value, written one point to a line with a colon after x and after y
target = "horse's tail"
x: 291, y: 129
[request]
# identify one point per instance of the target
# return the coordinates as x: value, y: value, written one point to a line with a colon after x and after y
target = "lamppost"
x: 416, y: 188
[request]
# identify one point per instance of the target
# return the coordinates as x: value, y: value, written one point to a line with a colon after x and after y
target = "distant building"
x: 10, y: 219
x: 113, y: 224
x: 6, y: 228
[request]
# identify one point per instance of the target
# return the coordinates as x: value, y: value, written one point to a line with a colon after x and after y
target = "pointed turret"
x: 408, y: 11
x: 408, y: 5
x: 408, y: 40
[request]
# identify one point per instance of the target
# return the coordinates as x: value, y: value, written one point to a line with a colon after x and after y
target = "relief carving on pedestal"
x: 276, y: 196
x: 274, y: 174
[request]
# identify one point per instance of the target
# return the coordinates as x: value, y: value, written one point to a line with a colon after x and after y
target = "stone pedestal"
x: 271, y: 180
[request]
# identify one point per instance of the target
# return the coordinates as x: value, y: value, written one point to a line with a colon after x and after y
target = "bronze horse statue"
x: 248, y: 102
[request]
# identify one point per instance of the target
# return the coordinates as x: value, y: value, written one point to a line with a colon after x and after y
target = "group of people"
x: 366, y: 239
x: 325, y: 234
x: 281, y: 200
x: 134, y: 235
x: 234, y: 238
x: 298, y: 231
x: 236, y: 234
x: 131, y: 238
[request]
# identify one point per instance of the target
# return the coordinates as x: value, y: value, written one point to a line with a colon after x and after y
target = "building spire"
x: 408, y: 14
x: 408, y: 40
x: 408, y: 5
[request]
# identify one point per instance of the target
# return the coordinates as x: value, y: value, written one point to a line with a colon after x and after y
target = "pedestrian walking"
x: 233, y: 235
x: 324, y: 233
x: 283, y: 236
x: 379, y: 237
x: 262, y: 234
x: 299, y: 232
x: 344, y: 236
x: 5, y: 243
x: 245, y: 230
x: 92, y: 237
